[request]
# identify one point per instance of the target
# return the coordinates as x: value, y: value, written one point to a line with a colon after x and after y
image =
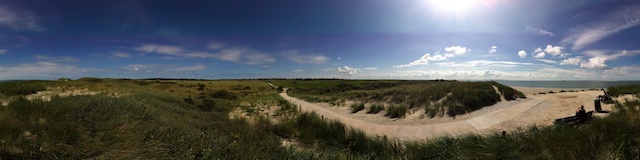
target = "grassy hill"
x: 149, y: 119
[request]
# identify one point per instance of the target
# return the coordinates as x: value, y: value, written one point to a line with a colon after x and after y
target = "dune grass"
x: 457, y: 97
x: 151, y: 120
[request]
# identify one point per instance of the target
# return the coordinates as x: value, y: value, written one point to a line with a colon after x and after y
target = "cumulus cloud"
x: 450, y: 52
x: 539, y: 31
x: 572, y: 61
x: 19, y: 20
x: 621, y: 19
x: 554, y: 51
x: 347, y: 71
x: 522, y: 54
x: 493, y: 49
x: 539, y: 55
x: 121, y: 54
x: 594, y: 63
x: 299, y: 57
x: 3, y: 51
x: 456, y: 50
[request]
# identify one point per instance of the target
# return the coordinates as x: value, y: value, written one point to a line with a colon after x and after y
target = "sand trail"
x: 475, y: 124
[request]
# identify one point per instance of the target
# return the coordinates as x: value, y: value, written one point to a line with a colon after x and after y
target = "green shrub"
x: 357, y: 107
x: 375, y: 109
x: 21, y: 88
x: 396, y: 111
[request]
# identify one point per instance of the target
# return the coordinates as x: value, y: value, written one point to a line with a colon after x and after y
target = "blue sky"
x: 356, y: 39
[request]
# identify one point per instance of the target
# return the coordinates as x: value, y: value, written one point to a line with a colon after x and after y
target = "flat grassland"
x: 245, y: 119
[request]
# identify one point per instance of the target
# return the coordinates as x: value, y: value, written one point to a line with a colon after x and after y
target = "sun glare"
x: 454, y: 6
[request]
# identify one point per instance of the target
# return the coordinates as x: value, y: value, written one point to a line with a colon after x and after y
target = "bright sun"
x: 455, y: 6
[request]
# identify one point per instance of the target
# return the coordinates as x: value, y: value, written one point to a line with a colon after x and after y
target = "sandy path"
x: 424, y: 131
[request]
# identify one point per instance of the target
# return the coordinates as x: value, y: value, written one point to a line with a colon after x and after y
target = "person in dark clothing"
x: 581, y: 114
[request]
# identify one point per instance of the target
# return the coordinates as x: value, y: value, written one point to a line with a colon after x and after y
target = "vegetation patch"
x: 357, y: 107
x: 375, y: 109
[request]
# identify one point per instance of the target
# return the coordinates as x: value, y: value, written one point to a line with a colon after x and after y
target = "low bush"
x: 357, y: 107
x: 396, y: 111
x: 375, y: 109
x: 21, y: 88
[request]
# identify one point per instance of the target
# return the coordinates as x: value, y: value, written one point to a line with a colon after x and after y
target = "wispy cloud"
x: 55, y: 59
x: 614, y: 54
x: 298, y: 70
x: 161, y: 49
x: 522, y: 54
x: 3, y: 51
x: 370, y: 69
x: 624, y: 18
x: 493, y: 49
x: 19, y: 19
x: 539, y: 31
x: 450, y: 52
x: 547, y: 61
x: 162, y: 68
x: 121, y: 54
x: 572, y: 61
x: 236, y: 55
x: 301, y: 57
x: 347, y: 71
x: 44, y: 70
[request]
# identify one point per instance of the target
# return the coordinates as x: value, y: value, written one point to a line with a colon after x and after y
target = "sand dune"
x: 538, y: 109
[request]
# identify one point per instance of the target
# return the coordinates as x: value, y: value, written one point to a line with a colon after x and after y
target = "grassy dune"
x: 438, y: 98
x: 156, y: 120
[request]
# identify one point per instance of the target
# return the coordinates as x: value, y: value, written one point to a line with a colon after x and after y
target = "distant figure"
x: 581, y: 114
x: 580, y: 111
x: 504, y: 134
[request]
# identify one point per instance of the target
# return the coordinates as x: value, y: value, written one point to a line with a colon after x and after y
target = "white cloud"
x: 244, y: 55
x: 452, y: 51
x: 370, y: 69
x: 572, y: 61
x: 19, y: 20
x: 3, y: 51
x: 456, y: 50
x: 55, y: 59
x: 237, y: 55
x: 121, y: 54
x: 299, y: 57
x: 615, y: 71
x: 623, y: 18
x: 594, y: 63
x: 161, y: 49
x: 163, y: 68
x: 615, y: 55
x: 522, y: 54
x: 539, y: 31
x: 493, y: 49
x: 216, y: 45
x: 554, y: 50
x: 539, y: 55
x: 298, y: 70
x: 348, y: 71
x: 46, y: 70
x: 547, y: 61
